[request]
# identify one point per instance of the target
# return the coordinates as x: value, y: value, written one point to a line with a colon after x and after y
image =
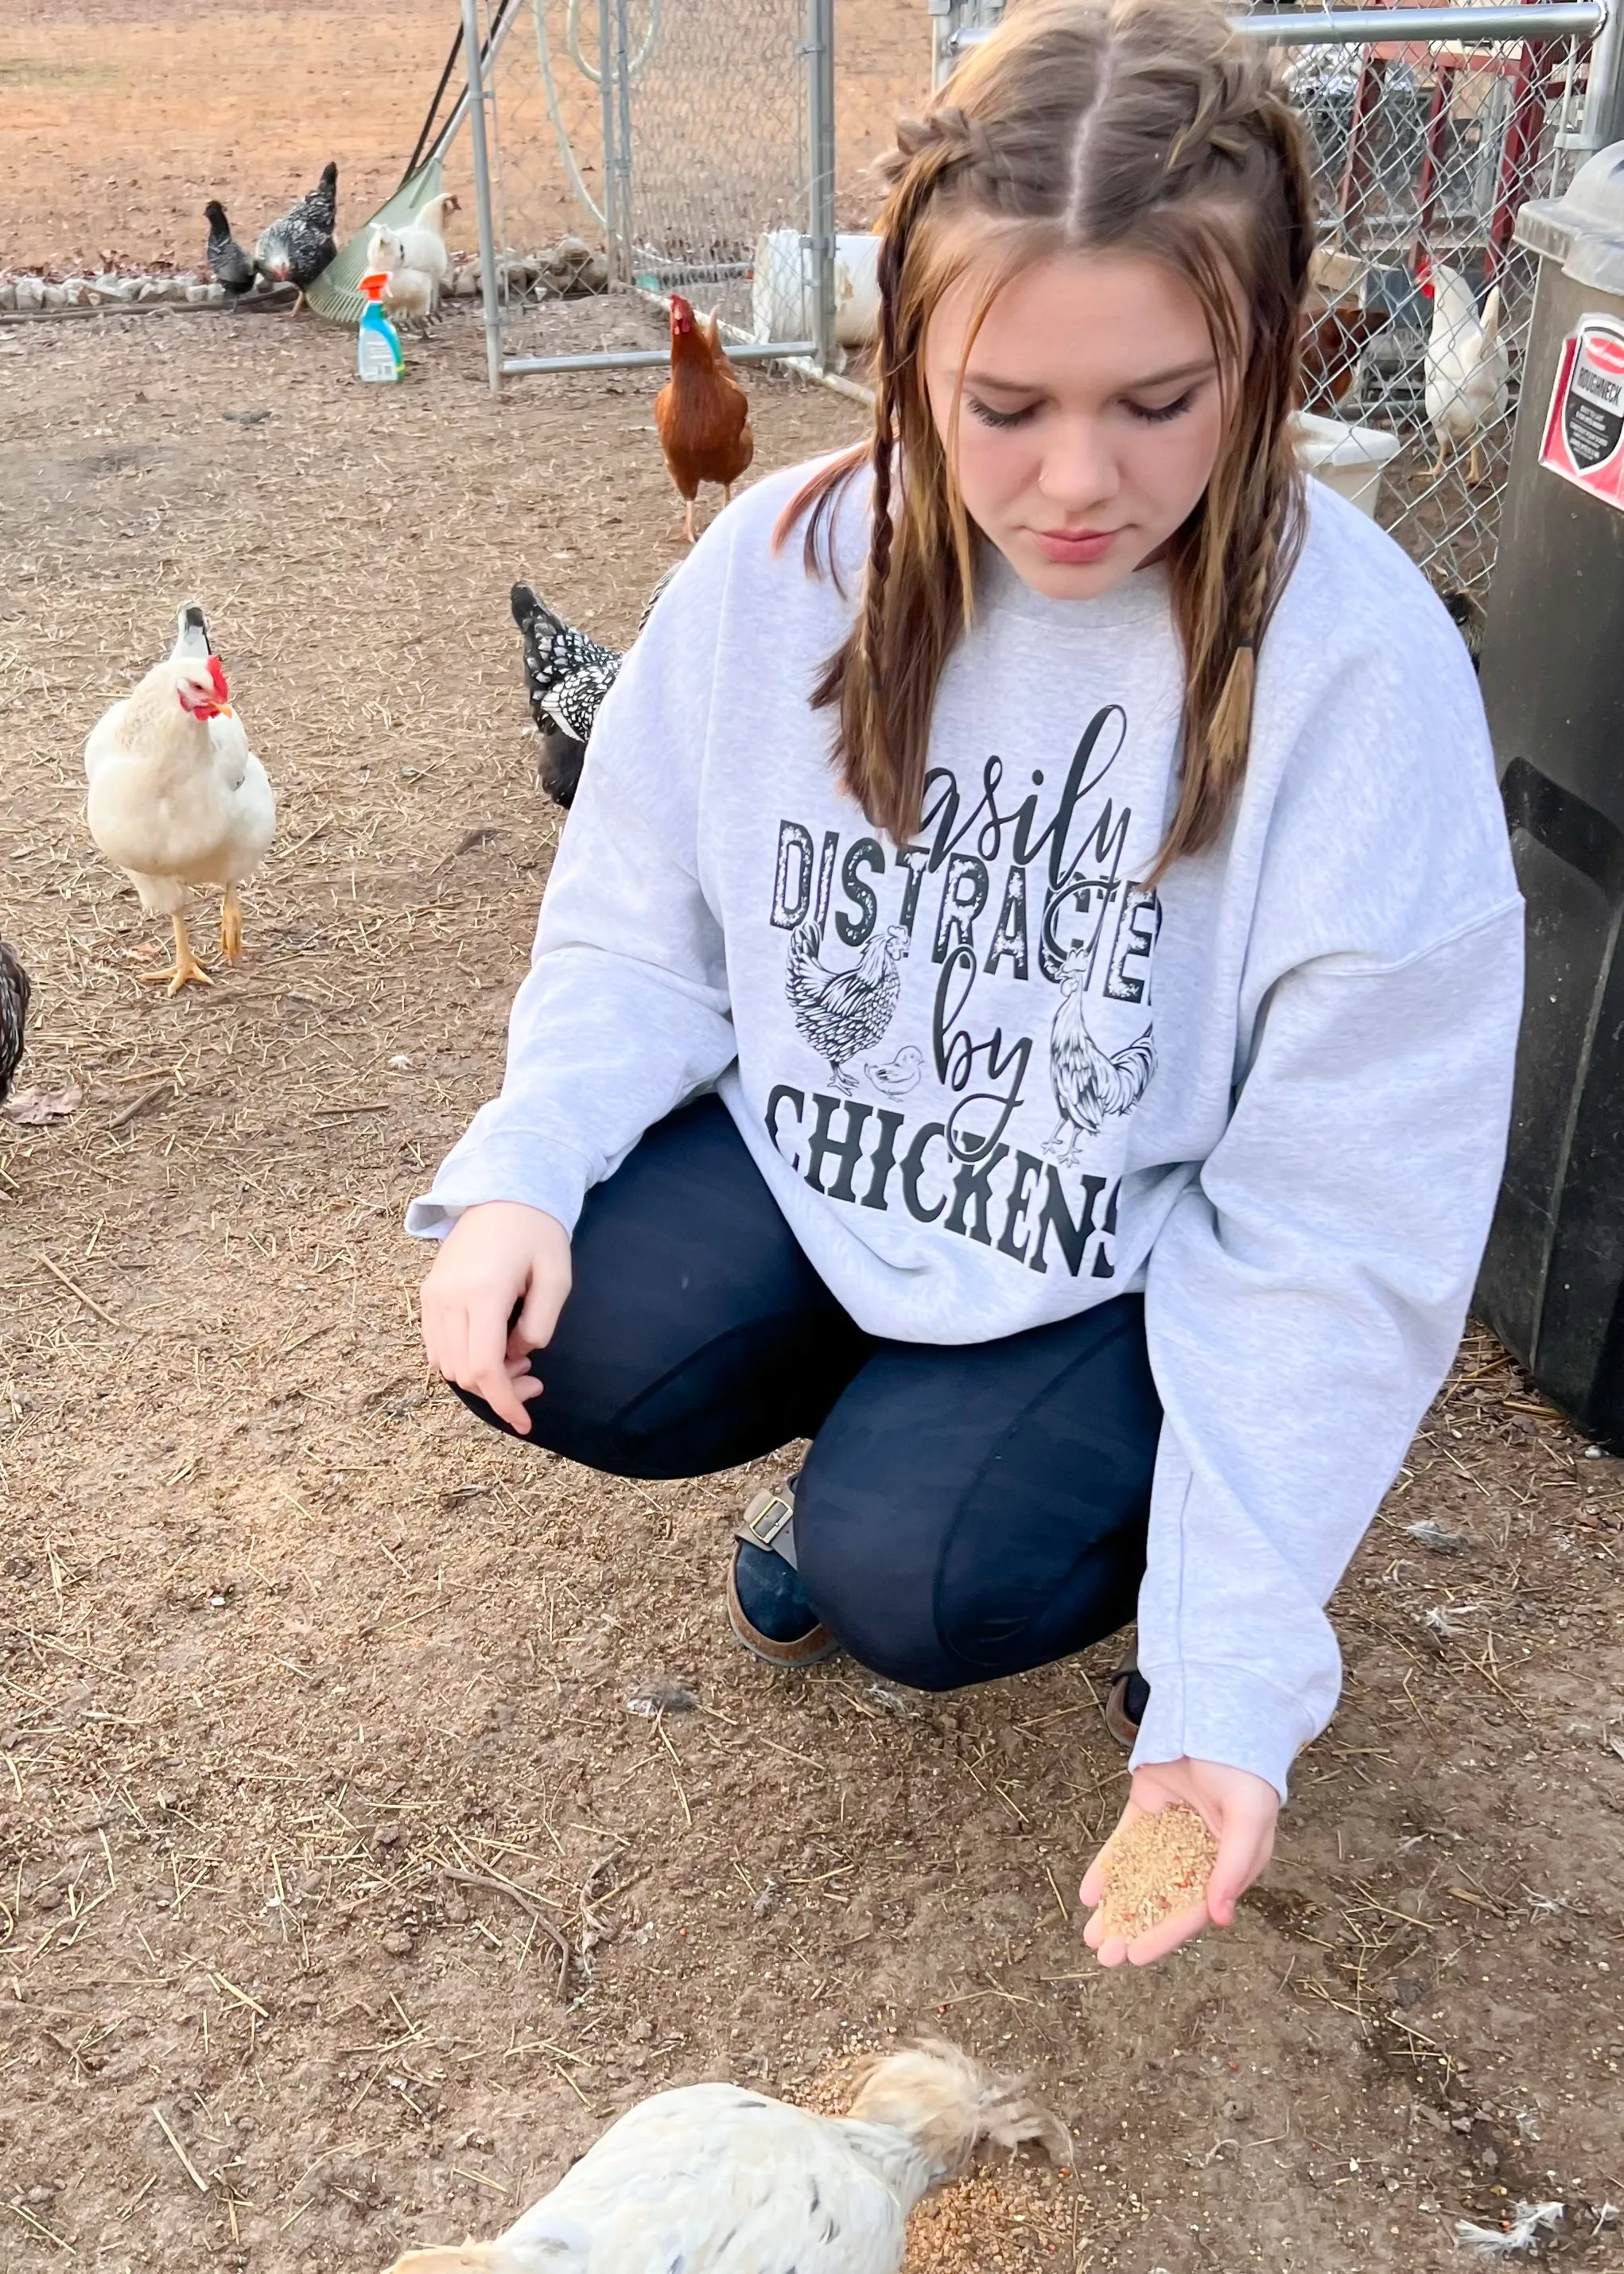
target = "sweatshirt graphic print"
x: 1014, y: 930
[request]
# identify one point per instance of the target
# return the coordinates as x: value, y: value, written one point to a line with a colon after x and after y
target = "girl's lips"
x: 1074, y: 548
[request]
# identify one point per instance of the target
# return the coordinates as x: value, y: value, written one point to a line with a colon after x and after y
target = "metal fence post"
x: 606, y: 90
x: 474, y: 61
x: 623, y: 140
x: 820, y: 200
x: 1604, y: 103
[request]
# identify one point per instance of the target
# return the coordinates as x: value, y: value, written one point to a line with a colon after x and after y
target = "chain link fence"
x: 1429, y: 129
x: 1425, y: 149
x: 652, y: 147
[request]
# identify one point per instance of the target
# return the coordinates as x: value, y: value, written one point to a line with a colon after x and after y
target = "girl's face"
x: 1092, y: 414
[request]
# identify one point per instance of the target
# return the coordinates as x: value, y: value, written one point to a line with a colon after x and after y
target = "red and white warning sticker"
x: 1584, y: 433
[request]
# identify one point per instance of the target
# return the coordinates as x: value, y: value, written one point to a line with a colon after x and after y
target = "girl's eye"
x: 988, y: 417
x: 1163, y: 410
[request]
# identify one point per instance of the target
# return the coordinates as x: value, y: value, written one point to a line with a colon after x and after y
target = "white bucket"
x: 781, y: 287
x: 1347, y: 459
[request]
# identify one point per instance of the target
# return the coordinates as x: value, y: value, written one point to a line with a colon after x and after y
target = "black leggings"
x: 965, y: 1511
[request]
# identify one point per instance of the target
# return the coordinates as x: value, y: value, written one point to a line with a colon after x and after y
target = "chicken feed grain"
x: 1155, y: 1867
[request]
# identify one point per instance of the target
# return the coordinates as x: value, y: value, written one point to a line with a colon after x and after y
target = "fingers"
x: 1093, y: 1890
x: 486, y: 1372
x: 1245, y: 1846
x: 1145, y: 1949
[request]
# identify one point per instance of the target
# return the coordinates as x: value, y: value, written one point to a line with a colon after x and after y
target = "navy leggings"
x: 965, y: 1511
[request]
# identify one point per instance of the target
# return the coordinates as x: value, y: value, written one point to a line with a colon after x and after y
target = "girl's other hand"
x: 496, y: 1257
x: 1238, y: 1809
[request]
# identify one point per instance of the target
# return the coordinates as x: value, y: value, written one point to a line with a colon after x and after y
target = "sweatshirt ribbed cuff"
x: 1230, y: 1714
x: 535, y: 1172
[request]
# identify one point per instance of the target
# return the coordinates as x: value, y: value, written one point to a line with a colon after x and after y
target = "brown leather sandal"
x: 1125, y: 1705
x: 767, y: 1532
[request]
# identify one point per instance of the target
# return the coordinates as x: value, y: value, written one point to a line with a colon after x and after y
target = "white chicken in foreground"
x: 177, y: 799
x: 715, y: 2179
x: 1468, y: 368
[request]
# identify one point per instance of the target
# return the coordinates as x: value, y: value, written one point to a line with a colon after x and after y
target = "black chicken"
x: 1467, y: 614
x: 295, y: 249
x: 842, y: 1013
x: 567, y: 675
x: 227, y: 262
x: 14, y: 992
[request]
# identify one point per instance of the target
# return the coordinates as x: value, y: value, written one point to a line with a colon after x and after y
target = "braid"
x: 1132, y: 126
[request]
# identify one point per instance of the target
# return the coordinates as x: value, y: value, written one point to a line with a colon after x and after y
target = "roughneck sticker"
x: 1584, y: 433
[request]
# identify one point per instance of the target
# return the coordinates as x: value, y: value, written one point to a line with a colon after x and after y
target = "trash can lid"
x: 1584, y: 230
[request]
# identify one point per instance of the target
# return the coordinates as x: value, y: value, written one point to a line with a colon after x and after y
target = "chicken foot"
x: 231, y: 926
x: 186, y: 966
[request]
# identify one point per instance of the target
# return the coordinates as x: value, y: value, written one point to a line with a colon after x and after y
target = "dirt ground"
x: 383, y: 1805
x: 120, y: 118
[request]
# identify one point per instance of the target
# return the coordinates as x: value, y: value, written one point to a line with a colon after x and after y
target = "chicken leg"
x: 186, y: 966
x: 231, y: 926
x: 1474, y: 466
x: 688, y: 519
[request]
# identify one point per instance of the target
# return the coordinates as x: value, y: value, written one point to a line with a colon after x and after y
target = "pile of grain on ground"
x: 1155, y: 1867
x: 1006, y: 2211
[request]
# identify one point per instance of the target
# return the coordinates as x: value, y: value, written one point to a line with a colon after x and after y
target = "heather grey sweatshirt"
x: 991, y: 1081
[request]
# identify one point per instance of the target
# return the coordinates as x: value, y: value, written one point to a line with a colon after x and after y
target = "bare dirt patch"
x: 316, y: 1719
x: 120, y: 118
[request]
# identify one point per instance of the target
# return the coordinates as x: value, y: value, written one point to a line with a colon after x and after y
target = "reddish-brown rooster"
x: 703, y: 413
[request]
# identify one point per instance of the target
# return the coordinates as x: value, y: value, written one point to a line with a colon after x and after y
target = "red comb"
x: 217, y: 674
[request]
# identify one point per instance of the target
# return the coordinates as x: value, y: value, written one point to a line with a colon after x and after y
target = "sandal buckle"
x: 766, y: 1524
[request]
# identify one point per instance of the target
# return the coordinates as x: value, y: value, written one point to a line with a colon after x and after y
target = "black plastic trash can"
x: 1553, y: 1281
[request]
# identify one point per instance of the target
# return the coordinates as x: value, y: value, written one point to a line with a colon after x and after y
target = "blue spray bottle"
x: 379, y: 355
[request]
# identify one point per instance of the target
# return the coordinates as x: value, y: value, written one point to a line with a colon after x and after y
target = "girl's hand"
x: 1238, y: 1809
x: 495, y: 1257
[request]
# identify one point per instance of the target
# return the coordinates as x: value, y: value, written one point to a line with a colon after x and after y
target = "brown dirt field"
x: 119, y: 118
x: 314, y: 1722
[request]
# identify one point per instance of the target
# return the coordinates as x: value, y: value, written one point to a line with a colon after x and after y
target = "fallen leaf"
x: 36, y: 1107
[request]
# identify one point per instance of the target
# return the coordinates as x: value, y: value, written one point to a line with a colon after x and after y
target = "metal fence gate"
x: 664, y: 146
x: 1429, y: 127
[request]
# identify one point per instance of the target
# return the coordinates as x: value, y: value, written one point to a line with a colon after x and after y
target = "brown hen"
x: 703, y: 413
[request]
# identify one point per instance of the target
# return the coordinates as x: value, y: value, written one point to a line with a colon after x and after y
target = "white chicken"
x: 1468, y: 369
x: 414, y: 259
x: 719, y: 2180
x: 177, y: 799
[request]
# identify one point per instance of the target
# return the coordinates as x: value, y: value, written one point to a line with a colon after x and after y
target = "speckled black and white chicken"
x: 229, y: 264
x: 15, y: 989
x: 295, y: 249
x: 714, y: 2179
x: 567, y: 675
x: 842, y: 1013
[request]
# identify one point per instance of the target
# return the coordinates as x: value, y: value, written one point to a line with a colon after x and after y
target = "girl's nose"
x: 1080, y: 468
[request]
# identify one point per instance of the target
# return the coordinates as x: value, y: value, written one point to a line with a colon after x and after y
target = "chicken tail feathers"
x: 1490, y: 319
x: 949, y: 2105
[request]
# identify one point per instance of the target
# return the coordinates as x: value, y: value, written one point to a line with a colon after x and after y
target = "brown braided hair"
x: 1134, y: 125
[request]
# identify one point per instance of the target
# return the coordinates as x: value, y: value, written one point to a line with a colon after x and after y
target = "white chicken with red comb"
x: 177, y: 799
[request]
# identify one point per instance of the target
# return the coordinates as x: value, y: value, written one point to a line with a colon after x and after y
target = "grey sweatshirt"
x: 991, y: 1081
